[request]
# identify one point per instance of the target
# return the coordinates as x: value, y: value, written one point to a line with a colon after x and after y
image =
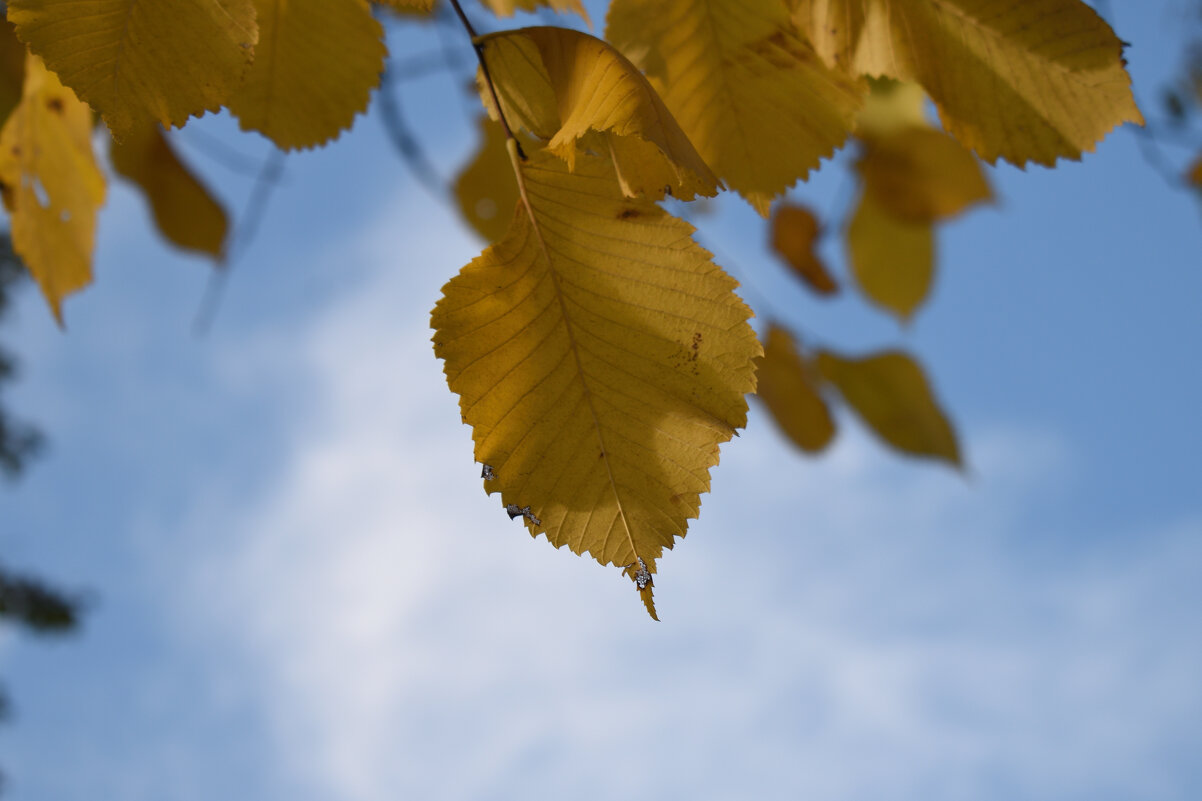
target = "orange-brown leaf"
x: 795, y: 232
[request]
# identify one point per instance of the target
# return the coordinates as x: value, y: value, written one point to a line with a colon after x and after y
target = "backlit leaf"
x: 891, y: 395
x: 1023, y: 80
x: 315, y: 66
x: 753, y: 97
x: 921, y: 175
x: 487, y: 190
x: 601, y: 358
x: 416, y: 7
x: 137, y: 62
x: 51, y: 184
x: 794, y: 235
x: 892, y: 260
x: 506, y: 8
x: 789, y: 387
x: 184, y: 211
x: 568, y: 88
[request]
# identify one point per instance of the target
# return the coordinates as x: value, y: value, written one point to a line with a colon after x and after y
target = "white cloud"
x: 842, y: 629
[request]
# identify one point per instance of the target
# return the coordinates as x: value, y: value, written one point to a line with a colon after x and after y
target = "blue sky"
x: 300, y: 590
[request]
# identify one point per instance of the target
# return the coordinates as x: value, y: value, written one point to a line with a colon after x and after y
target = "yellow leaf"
x: 788, y: 386
x: 893, y: 260
x: 487, y: 189
x: 506, y: 8
x: 139, y: 62
x: 752, y: 96
x: 571, y: 89
x: 409, y: 7
x: 601, y: 358
x: 1024, y: 80
x: 890, y: 394
x: 921, y: 175
x: 794, y: 235
x: 12, y: 70
x: 51, y: 184
x: 315, y: 66
x: 185, y: 212
x: 891, y: 106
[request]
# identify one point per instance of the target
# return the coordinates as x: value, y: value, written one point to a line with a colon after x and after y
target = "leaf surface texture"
x: 1022, y: 80
x: 601, y: 358
x: 754, y: 98
x: 315, y: 66
x: 136, y: 61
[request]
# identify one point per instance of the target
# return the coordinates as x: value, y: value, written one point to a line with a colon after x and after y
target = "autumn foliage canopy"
x: 600, y: 355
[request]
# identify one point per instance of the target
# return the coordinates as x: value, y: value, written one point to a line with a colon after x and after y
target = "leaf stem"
x: 492, y: 89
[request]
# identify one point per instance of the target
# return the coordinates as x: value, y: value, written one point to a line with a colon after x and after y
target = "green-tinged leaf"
x: 138, y: 62
x: 789, y: 386
x: 51, y: 185
x: 601, y: 358
x: 920, y: 175
x: 1023, y: 80
x: 891, y: 395
x: 570, y: 89
x: 759, y: 105
x: 487, y: 189
x: 184, y: 211
x: 892, y: 260
x: 315, y: 66
x: 794, y: 234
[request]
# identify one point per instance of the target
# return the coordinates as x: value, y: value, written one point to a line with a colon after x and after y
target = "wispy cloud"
x: 850, y: 628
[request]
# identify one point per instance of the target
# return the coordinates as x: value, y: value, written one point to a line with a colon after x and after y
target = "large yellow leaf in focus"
x: 601, y: 358
x: 51, y: 184
x: 891, y: 395
x: 184, y: 211
x: 571, y: 89
x: 892, y: 260
x: 315, y: 66
x: 754, y: 98
x: 137, y: 62
x: 789, y: 386
x: 1022, y: 80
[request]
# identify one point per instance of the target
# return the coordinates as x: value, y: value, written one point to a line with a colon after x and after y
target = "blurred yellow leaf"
x: 315, y: 66
x: 506, y: 8
x: 12, y: 70
x: 410, y: 7
x: 184, y: 211
x: 794, y: 235
x: 568, y: 89
x: 139, y: 62
x: 753, y: 97
x: 920, y: 175
x: 891, y: 106
x: 487, y: 189
x: 601, y: 358
x: 789, y: 387
x: 892, y: 260
x: 1024, y: 80
x: 51, y: 184
x: 891, y: 395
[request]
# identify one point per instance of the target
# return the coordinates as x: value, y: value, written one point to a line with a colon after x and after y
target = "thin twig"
x: 405, y: 142
x: 256, y: 205
x: 492, y: 89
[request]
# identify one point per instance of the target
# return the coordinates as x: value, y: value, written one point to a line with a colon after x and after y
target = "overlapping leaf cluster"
x: 600, y: 355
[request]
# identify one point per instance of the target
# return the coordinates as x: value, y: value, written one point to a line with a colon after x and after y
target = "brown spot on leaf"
x: 627, y: 214
x: 55, y: 104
